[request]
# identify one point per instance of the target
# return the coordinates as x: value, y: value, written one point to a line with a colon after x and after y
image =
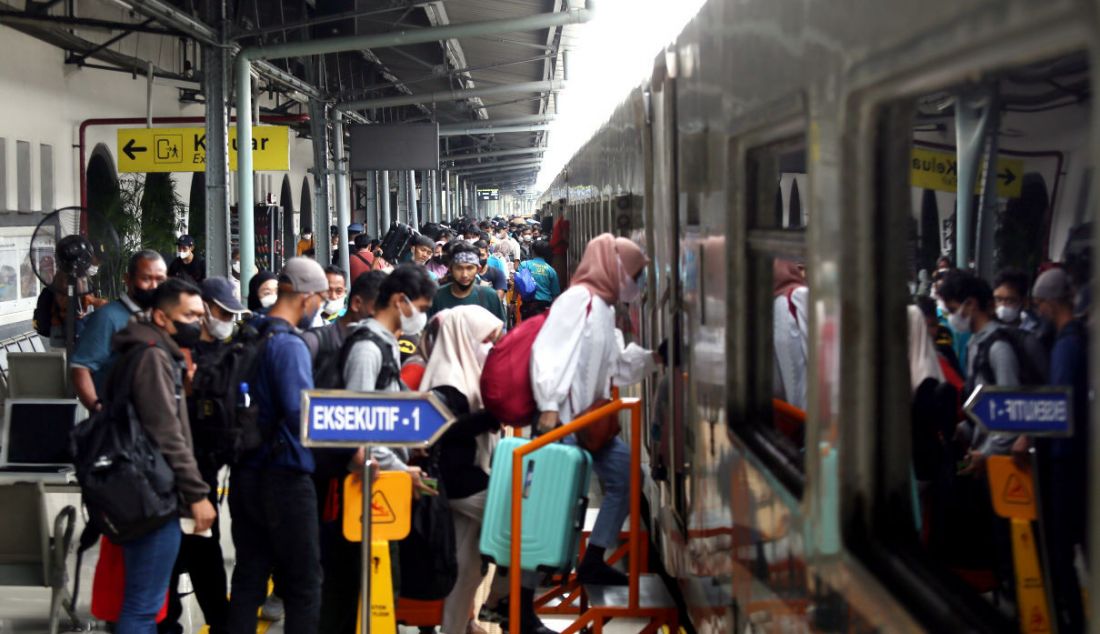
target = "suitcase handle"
x: 582, y: 508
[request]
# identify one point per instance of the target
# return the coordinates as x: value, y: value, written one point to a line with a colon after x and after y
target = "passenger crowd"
x: 964, y: 333
x: 218, y: 384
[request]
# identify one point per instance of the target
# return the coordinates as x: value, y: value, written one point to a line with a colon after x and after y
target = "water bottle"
x: 244, y: 401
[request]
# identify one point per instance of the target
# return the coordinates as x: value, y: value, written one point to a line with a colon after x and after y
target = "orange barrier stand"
x: 614, y: 407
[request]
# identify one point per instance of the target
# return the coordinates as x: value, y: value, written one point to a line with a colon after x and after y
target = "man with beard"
x: 464, y: 289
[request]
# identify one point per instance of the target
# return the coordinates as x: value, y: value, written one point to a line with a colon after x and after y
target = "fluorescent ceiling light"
x: 613, y: 53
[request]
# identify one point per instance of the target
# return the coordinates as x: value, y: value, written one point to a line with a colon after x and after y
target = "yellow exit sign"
x: 938, y: 170
x: 184, y: 149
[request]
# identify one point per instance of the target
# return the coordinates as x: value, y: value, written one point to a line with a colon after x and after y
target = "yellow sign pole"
x: 1013, y: 493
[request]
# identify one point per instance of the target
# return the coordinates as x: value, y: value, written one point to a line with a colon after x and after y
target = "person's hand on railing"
x: 548, y: 421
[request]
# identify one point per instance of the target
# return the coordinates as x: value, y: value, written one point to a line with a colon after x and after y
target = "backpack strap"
x: 389, y: 372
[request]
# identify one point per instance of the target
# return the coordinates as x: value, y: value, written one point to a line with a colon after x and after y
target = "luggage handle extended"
x: 518, y: 455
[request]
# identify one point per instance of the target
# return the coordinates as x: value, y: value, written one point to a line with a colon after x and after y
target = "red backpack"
x: 506, y: 377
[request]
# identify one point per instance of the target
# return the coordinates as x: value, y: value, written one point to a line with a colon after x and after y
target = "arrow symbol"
x: 1008, y: 175
x: 130, y: 148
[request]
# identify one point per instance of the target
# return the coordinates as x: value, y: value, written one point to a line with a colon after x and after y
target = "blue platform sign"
x: 342, y: 418
x: 1036, y: 411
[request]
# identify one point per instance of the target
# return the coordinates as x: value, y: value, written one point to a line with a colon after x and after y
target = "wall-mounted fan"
x: 75, y: 251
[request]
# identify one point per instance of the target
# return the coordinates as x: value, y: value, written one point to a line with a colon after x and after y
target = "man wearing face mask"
x: 1012, y: 309
x: 187, y: 265
x: 173, y: 323
x: 996, y: 354
x: 464, y: 288
x: 335, y: 298
x: 93, y: 356
x: 271, y: 493
x: 400, y: 308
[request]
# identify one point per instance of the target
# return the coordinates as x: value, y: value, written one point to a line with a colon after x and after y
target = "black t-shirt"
x: 194, y: 272
x: 458, y: 446
x: 494, y: 278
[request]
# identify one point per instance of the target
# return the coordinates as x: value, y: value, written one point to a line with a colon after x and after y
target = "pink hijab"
x: 454, y: 359
x: 599, y: 268
x: 787, y: 276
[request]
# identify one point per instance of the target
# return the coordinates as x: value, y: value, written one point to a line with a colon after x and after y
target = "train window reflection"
x: 999, y: 280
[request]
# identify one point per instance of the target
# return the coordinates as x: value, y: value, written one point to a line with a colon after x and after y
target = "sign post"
x: 1035, y: 411
x: 342, y: 418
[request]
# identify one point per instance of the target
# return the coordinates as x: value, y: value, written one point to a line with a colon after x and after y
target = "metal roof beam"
x: 489, y: 129
x: 489, y: 169
x: 453, y: 95
x: 493, y: 154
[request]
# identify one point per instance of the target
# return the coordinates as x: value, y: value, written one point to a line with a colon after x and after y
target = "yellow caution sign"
x: 184, y: 149
x: 1013, y: 495
x: 383, y: 620
x: 938, y: 170
x: 390, y: 504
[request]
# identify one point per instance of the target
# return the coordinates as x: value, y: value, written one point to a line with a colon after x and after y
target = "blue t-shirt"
x: 546, y: 279
x: 93, y: 350
x: 498, y: 264
x: 285, y: 370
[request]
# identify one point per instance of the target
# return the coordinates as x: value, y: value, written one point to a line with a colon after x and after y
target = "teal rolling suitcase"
x: 555, y: 498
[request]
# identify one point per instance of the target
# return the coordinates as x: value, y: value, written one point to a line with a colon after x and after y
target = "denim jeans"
x: 612, y: 467
x: 275, y: 531
x: 149, y: 563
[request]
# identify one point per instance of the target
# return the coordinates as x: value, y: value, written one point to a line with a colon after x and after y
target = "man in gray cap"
x: 271, y: 494
x: 1063, y: 462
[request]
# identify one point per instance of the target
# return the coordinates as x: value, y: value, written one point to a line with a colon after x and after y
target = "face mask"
x: 307, y: 236
x: 217, y: 328
x: 628, y: 286
x: 92, y: 270
x: 237, y: 267
x: 143, y: 297
x: 412, y: 325
x: 1008, y: 314
x: 959, y: 323
x: 483, y: 353
x: 267, y: 301
x: 182, y: 255
x: 307, y: 320
x: 484, y: 262
x: 333, y: 306
x: 187, y: 335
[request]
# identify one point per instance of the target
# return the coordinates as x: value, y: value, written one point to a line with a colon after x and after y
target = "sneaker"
x: 273, y: 609
x: 497, y: 613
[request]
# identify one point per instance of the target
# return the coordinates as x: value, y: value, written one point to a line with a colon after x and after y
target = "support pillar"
x: 414, y: 212
x: 343, y: 205
x: 321, y: 214
x: 215, y: 87
x: 384, y: 198
x: 372, y: 204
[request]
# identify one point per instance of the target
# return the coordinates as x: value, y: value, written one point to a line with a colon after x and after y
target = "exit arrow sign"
x: 130, y: 148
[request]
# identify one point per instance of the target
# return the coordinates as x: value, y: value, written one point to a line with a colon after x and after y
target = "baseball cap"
x: 304, y: 276
x: 1052, y: 284
x: 185, y: 241
x: 223, y: 292
x: 355, y: 227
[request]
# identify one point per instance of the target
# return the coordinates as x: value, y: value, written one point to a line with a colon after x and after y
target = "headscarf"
x: 254, y: 289
x: 454, y: 359
x: 923, y: 362
x: 786, y: 277
x: 599, y: 268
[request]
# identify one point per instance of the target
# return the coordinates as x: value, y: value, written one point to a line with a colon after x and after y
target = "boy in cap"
x: 271, y: 494
x: 187, y: 266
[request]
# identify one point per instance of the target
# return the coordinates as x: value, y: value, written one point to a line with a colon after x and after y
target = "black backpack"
x: 127, y: 485
x: 395, y: 244
x: 42, y: 318
x: 1030, y: 356
x: 332, y: 356
x: 428, y: 556
x: 223, y: 425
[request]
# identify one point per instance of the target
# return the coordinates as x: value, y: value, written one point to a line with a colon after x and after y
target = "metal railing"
x: 612, y: 408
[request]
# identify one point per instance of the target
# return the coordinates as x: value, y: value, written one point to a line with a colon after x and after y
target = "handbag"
x: 109, y: 584
x: 599, y: 434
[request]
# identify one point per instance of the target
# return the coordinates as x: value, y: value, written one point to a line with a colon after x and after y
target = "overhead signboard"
x: 938, y: 170
x: 1036, y: 411
x: 342, y: 418
x: 184, y: 149
x: 488, y: 194
x: 404, y: 146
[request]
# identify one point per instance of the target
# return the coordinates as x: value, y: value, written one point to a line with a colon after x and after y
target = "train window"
x: 997, y: 286
x: 779, y: 323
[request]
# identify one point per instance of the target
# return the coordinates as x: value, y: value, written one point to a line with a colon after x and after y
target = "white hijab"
x: 924, y: 362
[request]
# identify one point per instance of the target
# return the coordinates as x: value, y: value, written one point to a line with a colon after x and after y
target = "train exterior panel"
x: 759, y: 538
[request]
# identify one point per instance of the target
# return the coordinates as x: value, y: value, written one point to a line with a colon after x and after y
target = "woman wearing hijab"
x: 263, y: 290
x: 575, y: 358
x: 790, y: 322
x: 455, y: 345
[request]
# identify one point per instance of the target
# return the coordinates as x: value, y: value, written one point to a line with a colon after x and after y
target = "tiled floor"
x: 25, y: 610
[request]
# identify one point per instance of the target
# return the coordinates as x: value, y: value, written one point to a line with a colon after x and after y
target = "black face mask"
x: 484, y: 262
x: 143, y: 297
x: 187, y: 335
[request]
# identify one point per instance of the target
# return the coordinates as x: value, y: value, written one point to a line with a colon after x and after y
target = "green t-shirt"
x: 480, y: 296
